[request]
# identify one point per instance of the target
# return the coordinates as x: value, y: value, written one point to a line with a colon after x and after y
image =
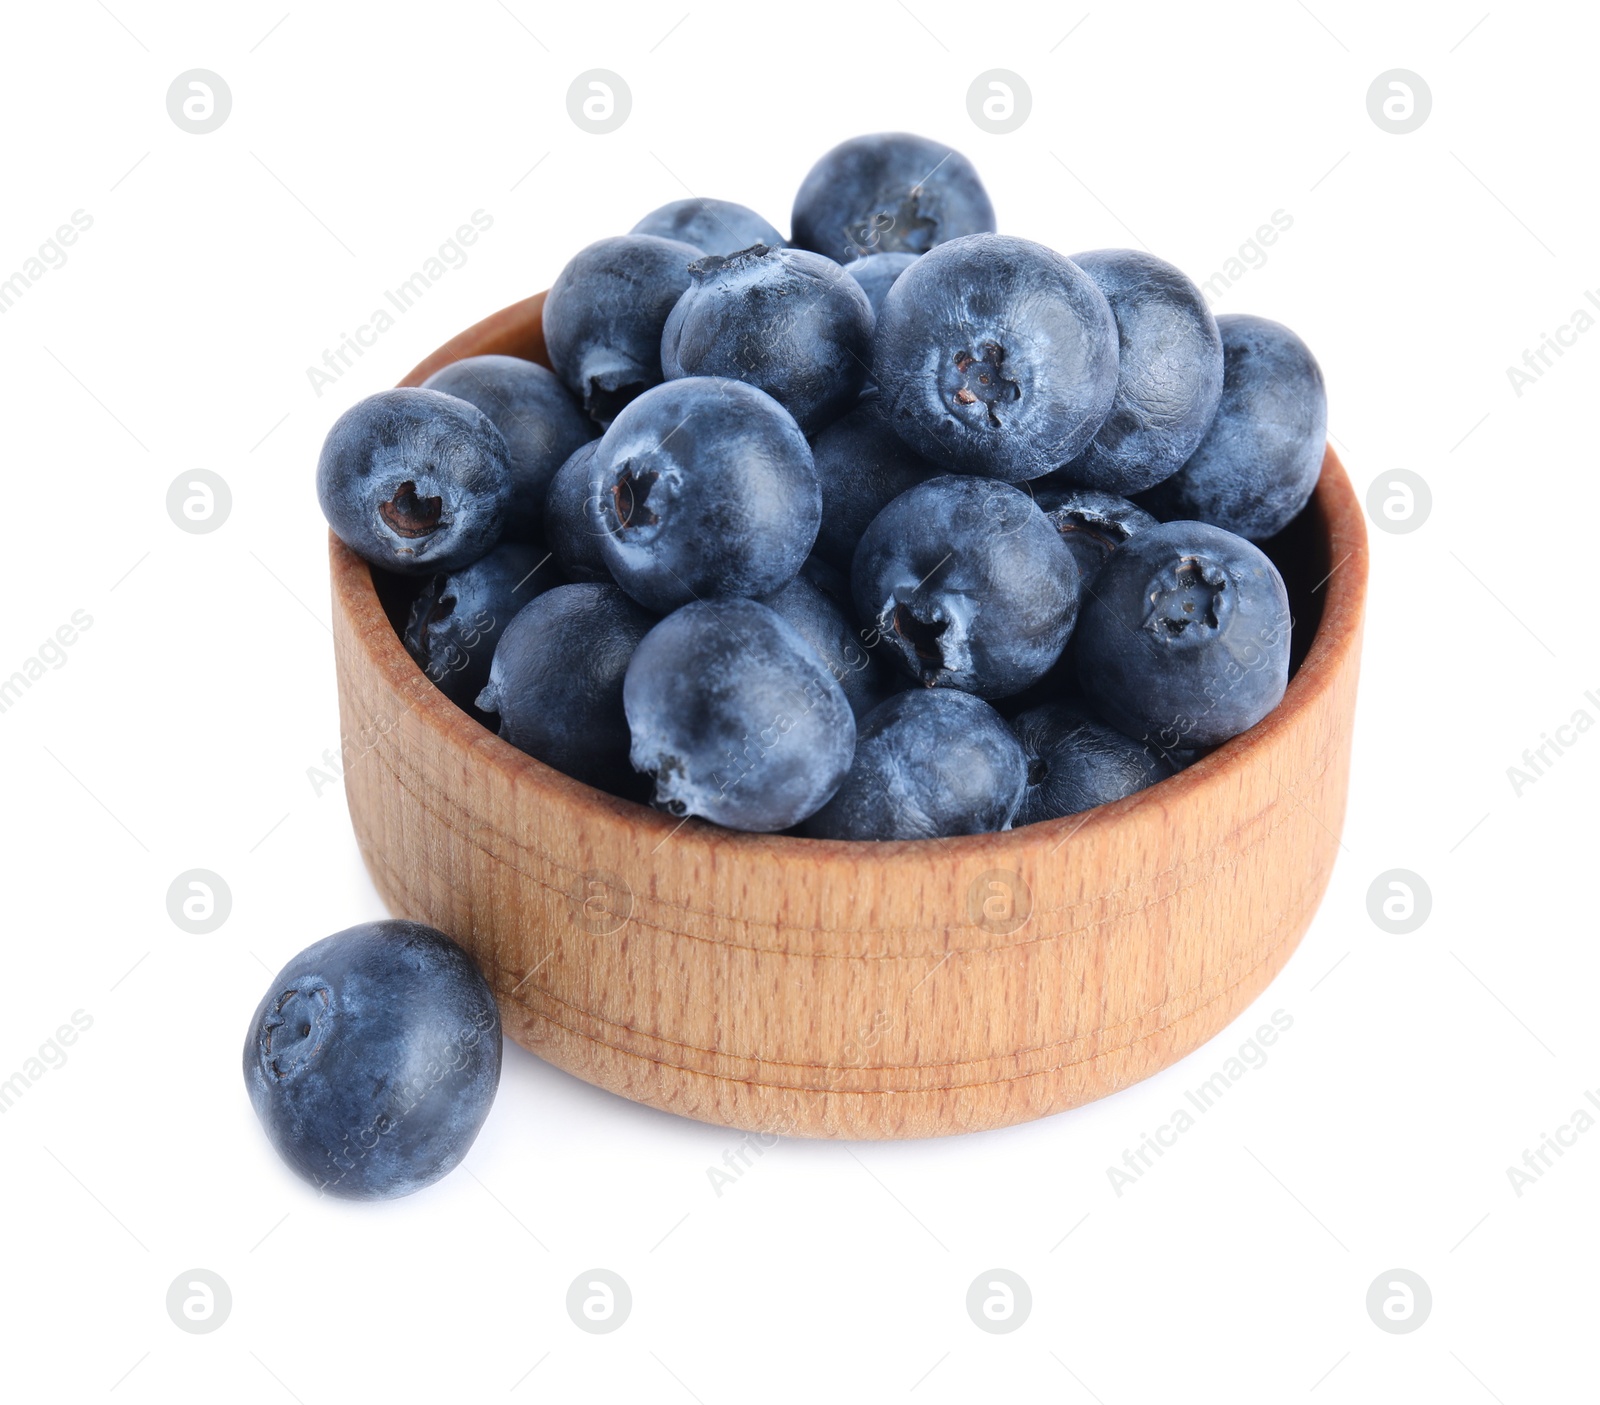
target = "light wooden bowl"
x: 828, y: 989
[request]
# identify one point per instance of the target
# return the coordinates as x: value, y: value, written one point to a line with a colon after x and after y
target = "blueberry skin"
x: 458, y: 617
x: 838, y: 642
x: 604, y: 314
x: 415, y: 480
x: 1076, y: 762
x: 1091, y: 523
x: 891, y: 192
x: 556, y: 683
x: 536, y: 417
x: 996, y: 355
x: 862, y: 466
x: 1259, y: 462
x: 1185, y: 641
x: 706, y: 488
x: 929, y: 764
x: 1169, y: 373
x: 573, y: 525
x: 876, y: 274
x: 968, y: 584
x: 736, y: 717
x: 712, y: 226
x: 788, y: 322
x: 373, y: 1059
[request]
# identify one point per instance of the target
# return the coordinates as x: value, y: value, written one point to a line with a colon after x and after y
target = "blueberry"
x: 996, y: 355
x: 556, y: 682
x: 929, y: 764
x: 712, y: 226
x: 415, y: 480
x: 457, y: 617
x: 888, y: 193
x: 968, y: 584
x: 573, y: 524
x: 791, y: 323
x: 1076, y: 762
x: 706, y: 488
x: 373, y: 1059
x: 604, y: 314
x: 1259, y: 462
x: 534, y: 414
x: 1185, y: 639
x: 862, y: 465
x: 1169, y: 372
x: 736, y: 717
x: 876, y: 274
x: 1091, y: 523
x: 838, y: 642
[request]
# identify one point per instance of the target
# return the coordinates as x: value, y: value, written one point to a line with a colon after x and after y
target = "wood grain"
x: 829, y: 989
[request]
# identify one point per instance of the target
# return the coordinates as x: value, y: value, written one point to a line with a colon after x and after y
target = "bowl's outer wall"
x: 828, y: 989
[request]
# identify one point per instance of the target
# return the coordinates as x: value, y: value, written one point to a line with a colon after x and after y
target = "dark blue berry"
x: 457, y: 618
x: 736, y: 717
x: 1091, y: 523
x: 556, y: 682
x: 862, y: 465
x: 1184, y: 641
x: 788, y: 322
x: 1076, y: 762
x: 996, y: 355
x: 838, y: 641
x: 712, y: 226
x: 706, y: 488
x: 604, y: 314
x: 573, y: 524
x: 876, y: 274
x: 536, y: 417
x: 373, y: 1059
x: 891, y: 192
x: 1259, y: 462
x: 415, y: 480
x: 1169, y: 372
x: 968, y: 584
x: 929, y: 764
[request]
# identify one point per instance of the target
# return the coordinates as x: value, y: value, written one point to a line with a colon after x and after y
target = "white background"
x: 179, y: 732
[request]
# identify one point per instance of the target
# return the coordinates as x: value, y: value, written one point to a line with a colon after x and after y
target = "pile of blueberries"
x: 899, y: 528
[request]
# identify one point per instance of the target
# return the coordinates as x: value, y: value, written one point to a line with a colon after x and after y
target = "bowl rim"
x: 516, y: 330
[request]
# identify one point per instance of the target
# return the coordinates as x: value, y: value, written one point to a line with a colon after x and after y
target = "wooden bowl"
x: 830, y: 989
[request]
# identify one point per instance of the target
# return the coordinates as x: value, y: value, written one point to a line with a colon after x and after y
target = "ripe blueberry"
x: 1259, y: 462
x: 706, y: 488
x: 604, y: 314
x: 534, y: 414
x: 556, y: 683
x: 786, y: 321
x: 457, y: 617
x: 1076, y: 762
x: 373, y: 1059
x: 415, y: 480
x: 1184, y: 641
x: 996, y: 355
x: 712, y: 226
x: 891, y: 192
x: 838, y: 642
x: 862, y: 465
x: 736, y: 717
x: 968, y: 584
x: 876, y: 274
x: 1091, y: 523
x: 1169, y: 373
x: 573, y: 524
x: 929, y: 764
